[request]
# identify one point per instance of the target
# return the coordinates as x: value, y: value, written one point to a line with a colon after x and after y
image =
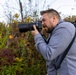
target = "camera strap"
x: 57, y: 62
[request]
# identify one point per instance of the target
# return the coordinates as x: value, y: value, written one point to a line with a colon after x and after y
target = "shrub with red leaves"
x: 6, y: 57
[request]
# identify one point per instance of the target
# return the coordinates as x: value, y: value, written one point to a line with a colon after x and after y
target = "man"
x: 61, y: 34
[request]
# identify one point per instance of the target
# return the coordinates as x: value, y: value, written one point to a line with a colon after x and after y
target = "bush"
x: 18, y: 55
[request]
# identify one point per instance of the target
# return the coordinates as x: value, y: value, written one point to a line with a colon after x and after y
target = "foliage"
x: 70, y: 18
x: 18, y: 55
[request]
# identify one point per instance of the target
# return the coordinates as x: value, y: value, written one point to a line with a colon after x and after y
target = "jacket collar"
x: 60, y: 21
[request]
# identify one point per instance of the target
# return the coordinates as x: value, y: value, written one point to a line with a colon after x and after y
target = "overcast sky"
x: 66, y: 7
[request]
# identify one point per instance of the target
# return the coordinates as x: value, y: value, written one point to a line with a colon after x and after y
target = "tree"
x: 23, y: 8
x: 70, y: 18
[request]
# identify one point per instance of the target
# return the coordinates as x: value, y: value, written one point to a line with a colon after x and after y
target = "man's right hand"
x: 35, y: 31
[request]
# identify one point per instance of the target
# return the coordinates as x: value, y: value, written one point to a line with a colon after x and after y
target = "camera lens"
x: 24, y: 27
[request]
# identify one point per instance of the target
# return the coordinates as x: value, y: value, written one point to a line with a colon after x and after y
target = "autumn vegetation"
x: 18, y: 55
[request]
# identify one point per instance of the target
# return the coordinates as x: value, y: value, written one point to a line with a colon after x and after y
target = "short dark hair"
x: 52, y: 11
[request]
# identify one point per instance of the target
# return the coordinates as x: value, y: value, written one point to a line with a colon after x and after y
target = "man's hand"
x: 35, y: 31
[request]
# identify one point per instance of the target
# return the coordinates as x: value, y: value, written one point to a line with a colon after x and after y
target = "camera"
x: 24, y: 27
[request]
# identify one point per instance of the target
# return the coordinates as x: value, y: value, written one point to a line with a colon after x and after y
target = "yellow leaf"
x: 28, y: 19
x: 16, y: 15
x: 10, y: 37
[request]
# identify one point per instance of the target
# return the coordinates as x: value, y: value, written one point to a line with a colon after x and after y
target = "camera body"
x: 24, y: 27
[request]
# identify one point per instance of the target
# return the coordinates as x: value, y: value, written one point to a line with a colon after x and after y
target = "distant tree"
x: 70, y: 18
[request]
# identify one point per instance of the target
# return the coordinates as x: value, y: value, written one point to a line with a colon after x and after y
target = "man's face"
x: 47, y: 22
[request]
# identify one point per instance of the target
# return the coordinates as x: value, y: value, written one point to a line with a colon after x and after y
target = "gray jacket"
x: 59, y: 40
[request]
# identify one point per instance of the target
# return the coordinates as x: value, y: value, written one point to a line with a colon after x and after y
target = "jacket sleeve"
x: 59, y: 41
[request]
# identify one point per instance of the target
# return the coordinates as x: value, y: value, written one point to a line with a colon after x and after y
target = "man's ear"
x: 54, y: 18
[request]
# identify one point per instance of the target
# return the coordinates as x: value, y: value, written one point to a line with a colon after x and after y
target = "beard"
x: 49, y: 30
